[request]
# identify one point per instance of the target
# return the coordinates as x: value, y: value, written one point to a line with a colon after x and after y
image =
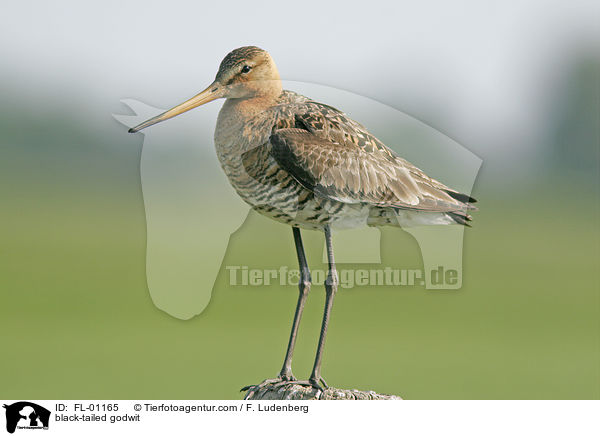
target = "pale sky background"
x: 480, y: 72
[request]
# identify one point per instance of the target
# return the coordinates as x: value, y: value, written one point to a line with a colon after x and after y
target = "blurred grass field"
x: 77, y: 320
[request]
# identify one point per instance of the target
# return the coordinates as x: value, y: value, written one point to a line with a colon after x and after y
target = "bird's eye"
x: 246, y: 69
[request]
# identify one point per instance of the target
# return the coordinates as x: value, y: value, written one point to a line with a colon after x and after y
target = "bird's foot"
x: 264, y: 383
x: 313, y: 383
x: 286, y: 377
x: 322, y: 380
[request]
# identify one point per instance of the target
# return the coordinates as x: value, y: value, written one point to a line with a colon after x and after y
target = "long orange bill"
x: 214, y: 91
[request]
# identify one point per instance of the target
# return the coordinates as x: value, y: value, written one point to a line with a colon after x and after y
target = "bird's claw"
x: 285, y: 380
x: 309, y: 383
x: 281, y: 378
x: 322, y: 380
x: 287, y: 377
x: 261, y: 385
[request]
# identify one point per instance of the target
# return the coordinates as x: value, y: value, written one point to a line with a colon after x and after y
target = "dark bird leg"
x: 285, y: 375
x: 331, y: 285
x: 304, y: 287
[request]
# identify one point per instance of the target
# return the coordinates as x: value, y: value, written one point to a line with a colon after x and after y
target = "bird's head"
x: 246, y: 72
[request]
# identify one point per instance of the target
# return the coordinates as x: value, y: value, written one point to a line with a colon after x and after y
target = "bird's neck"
x: 246, y: 108
x: 232, y: 131
x: 236, y: 113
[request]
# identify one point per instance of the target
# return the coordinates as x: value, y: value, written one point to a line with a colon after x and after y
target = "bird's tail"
x: 462, y: 218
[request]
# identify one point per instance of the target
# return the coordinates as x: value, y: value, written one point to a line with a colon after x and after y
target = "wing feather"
x: 337, y: 158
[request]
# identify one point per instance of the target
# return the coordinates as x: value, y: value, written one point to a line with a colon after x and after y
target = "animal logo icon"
x: 24, y: 414
x: 176, y: 195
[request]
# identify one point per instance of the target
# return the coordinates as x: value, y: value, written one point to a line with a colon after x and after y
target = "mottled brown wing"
x: 337, y: 158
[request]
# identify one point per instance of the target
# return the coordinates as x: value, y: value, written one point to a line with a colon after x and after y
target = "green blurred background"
x: 76, y: 319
